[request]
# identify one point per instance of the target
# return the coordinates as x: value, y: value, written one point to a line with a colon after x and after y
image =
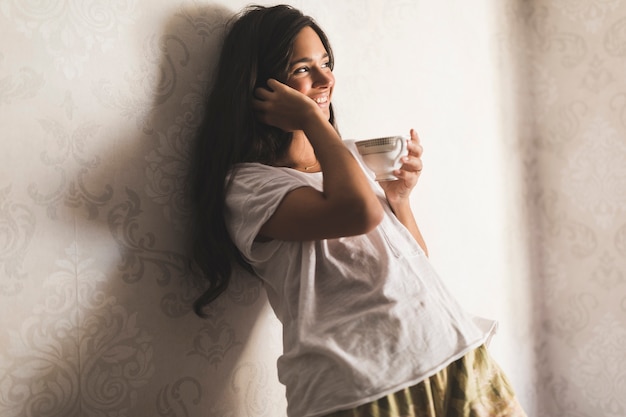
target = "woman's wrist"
x: 314, y: 123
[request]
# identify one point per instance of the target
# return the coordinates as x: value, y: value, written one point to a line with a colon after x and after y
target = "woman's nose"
x: 323, y: 78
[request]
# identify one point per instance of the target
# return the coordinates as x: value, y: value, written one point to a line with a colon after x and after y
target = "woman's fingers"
x: 415, y: 145
x: 414, y: 136
x: 413, y: 161
x: 281, y: 106
x: 263, y: 102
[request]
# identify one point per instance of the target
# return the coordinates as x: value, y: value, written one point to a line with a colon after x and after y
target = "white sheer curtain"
x: 521, y: 107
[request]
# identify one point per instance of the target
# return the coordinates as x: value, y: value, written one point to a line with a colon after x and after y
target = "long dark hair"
x: 257, y: 46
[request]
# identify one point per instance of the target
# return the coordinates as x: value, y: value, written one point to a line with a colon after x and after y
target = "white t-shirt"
x: 363, y: 316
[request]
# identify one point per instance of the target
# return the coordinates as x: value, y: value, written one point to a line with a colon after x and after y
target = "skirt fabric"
x: 473, y: 386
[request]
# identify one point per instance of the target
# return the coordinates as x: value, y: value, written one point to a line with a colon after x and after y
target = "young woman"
x: 368, y: 327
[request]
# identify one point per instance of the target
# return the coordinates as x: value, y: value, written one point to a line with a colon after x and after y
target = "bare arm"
x: 404, y: 213
x: 347, y: 205
x: 398, y: 192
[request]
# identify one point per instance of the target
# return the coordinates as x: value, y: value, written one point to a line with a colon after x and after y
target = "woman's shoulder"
x: 254, y: 176
x: 258, y: 185
x: 258, y: 172
x: 254, y: 171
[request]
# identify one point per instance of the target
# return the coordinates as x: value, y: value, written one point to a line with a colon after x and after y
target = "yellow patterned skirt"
x: 473, y: 386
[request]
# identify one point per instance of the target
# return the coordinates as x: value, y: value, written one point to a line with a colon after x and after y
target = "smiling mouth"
x: 321, y: 100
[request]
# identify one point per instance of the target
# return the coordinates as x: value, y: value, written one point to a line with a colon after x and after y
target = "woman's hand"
x: 398, y: 192
x: 282, y: 106
x: 347, y: 205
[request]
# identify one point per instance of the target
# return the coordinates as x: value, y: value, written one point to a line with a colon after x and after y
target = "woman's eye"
x: 306, y: 69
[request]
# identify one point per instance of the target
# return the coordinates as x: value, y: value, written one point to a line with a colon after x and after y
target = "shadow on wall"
x: 115, y: 334
x: 216, y: 374
x: 516, y: 120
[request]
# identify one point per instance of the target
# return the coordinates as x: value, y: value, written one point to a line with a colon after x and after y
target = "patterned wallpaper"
x: 573, y: 69
x: 98, y: 103
x: 99, y: 100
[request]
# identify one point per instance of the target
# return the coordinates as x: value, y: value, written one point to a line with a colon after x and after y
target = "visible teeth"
x: 321, y: 100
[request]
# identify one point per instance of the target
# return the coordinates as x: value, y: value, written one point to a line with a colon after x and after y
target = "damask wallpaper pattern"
x: 98, y: 108
x: 98, y: 104
x: 574, y: 61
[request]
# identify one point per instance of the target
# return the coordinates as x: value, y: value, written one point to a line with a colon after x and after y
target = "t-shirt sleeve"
x: 251, y: 199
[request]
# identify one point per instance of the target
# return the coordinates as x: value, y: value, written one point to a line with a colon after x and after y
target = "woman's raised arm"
x: 347, y: 205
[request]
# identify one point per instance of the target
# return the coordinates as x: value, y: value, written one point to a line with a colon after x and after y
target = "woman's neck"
x: 300, y: 155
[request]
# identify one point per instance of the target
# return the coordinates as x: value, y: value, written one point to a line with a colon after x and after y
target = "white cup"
x: 383, y: 155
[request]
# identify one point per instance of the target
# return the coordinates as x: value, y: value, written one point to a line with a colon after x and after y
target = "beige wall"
x: 521, y: 106
x: 572, y: 61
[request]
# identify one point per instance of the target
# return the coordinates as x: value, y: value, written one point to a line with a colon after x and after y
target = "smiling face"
x: 310, y: 69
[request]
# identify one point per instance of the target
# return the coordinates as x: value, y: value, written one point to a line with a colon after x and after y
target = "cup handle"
x: 403, y: 149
